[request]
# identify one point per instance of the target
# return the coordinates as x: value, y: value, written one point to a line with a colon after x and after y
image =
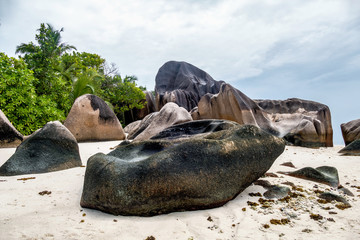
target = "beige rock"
x: 154, y: 123
x: 91, y: 119
x: 9, y: 136
x: 350, y: 131
x: 232, y: 104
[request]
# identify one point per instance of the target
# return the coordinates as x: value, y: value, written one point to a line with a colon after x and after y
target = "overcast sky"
x: 268, y: 49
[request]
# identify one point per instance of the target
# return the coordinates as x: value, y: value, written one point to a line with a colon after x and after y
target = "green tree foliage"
x: 87, y: 82
x: 122, y: 93
x: 43, y: 83
x: 18, y: 99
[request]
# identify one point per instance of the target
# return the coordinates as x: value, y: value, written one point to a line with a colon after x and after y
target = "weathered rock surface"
x: 91, y: 119
x: 194, y: 128
x: 184, y: 84
x: 232, y: 104
x: 300, y: 122
x: 52, y: 148
x: 138, y: 114
x: 325, y: 174
x: 154, y: 123
x: 154, y: 177
x: 350, y: 131
x: 353, y: 149
x: 9, y: 136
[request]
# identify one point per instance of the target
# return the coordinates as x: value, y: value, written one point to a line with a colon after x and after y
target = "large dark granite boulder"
x: 52, y: 148
x: 9, y: 136
x: 154, y: 177
x: 184, y: 84
x: 194, y: 128
x: 154, y: 123
x: 91, y: 119
x: 350, y: 131
x: 232, y: 104
x: 301, y: 122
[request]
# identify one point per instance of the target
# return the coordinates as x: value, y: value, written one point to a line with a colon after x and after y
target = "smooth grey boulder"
x: 9, y: 136
x: 52, y: 148
x: 154, y: 123
x: 159, y: 176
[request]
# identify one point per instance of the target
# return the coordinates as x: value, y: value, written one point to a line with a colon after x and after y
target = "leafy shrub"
x: 18, y: 98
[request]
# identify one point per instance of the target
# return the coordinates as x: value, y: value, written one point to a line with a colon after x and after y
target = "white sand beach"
x: 25, y: 214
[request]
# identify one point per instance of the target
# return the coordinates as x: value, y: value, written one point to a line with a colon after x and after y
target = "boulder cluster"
x: 196, y: 144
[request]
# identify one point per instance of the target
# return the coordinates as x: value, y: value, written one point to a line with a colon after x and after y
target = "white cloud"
x: 283, y: 46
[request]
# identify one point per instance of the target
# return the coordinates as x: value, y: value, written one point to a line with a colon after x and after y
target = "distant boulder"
x: 138, y: 114
x: 301, y: 122
x: 159, y: 176
x: 183, y: 84
x: 91, y: 119
x: 9, y: 136
x: 232, y: 104
x: 350, y: 131
x: 52, y: 148
x: 154, y: 123
x: 352, y: 149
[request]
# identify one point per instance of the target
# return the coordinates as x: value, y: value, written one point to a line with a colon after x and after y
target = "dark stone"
x: 139, y: 114
x: 333, y: 197
x: 288, y: 164
x: 158, y: 176
x: 192, y: 128
x: 276, y: 191
x: 51, y: 148
x: 184, y: 84
x: 105, y: 113
x: 325, y: 174
x: 352, y: 149
x: 9, y: 136
x: 350, y: 131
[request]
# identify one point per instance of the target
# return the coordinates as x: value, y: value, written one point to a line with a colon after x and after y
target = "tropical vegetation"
x: 42, y: 84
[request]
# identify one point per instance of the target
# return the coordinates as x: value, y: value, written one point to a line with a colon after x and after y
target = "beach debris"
x: 288, y: 164
x: 3, y: 180
x: 343, y: 206
x: 210, y: 219
x: 51, y: 148
x: 266, y: 226
x: 257, y: 194
x: 25, y: 179
x: 306, y: 230
x: 152, y: 177
x: 282, y: 221
x: 45, y: 192
x: 324, y: 174
x: 316, y: 217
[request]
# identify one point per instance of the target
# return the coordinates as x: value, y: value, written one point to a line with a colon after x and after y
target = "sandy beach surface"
x: 25, y: 214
